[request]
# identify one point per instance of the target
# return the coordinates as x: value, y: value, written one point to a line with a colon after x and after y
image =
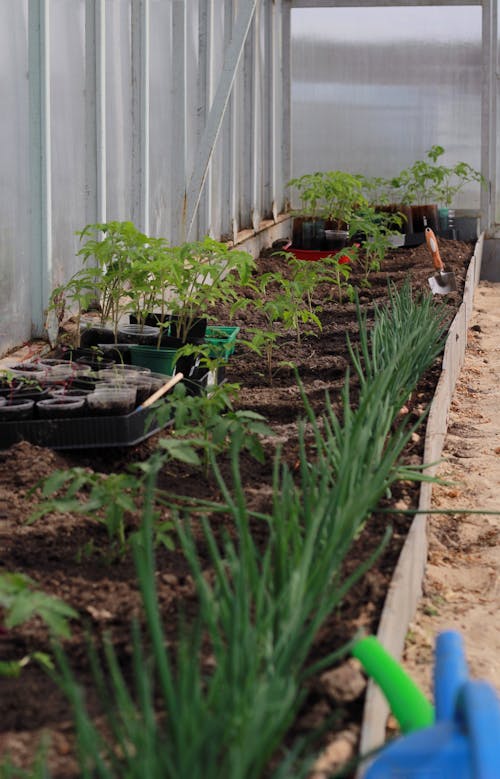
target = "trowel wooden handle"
x: 432, y: 245
x: 165, y: 388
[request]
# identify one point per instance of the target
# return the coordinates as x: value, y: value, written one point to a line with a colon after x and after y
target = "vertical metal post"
x: 140, y: 45
x: 205, y: 96
x: 179, y: 126
x: 95, y: 95
x: 486, y: 194
x: 273, y: 104
x: 489, y: 112
x: 286, y: 80
x: 256, y: 119
x: 229, y: 173
x: 40, y: 161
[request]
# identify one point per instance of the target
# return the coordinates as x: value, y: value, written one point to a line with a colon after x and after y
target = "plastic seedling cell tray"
x: 222, y: 340
x: 83, y: 432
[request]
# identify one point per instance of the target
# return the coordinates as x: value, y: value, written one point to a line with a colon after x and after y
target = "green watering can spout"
x: 407, y: 702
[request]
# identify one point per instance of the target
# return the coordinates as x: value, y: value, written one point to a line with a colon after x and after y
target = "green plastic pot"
x: 159, y: 360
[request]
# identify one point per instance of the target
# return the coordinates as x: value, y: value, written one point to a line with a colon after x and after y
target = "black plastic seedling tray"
x: 82, y: 432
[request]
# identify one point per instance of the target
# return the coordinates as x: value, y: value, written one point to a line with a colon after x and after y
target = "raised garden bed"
x: 51, y: 550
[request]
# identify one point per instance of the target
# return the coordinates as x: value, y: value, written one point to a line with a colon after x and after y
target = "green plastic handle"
x: 407, y: 702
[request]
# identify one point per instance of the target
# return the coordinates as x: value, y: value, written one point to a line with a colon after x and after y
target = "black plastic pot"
x: 196, y: 331
x: 152, y: 320
x: 93, y: 335
x: 196, y: 382
x: 425, y: 216
x: 336, y: 239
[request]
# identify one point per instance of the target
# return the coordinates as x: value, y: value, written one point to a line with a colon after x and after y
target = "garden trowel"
x: 441, y: 283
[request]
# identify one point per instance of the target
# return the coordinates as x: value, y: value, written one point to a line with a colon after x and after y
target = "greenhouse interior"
x: 249, y: 436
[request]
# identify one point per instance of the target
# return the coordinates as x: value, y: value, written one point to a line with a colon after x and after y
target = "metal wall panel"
x: 68, y: 160
x: 15, y: 267
x: 374, y: 88
x: 159, y: 111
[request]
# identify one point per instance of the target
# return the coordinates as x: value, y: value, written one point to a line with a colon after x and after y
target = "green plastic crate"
x: 222, y: 340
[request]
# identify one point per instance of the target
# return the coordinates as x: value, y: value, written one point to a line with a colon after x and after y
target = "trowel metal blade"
x: 442, y: 283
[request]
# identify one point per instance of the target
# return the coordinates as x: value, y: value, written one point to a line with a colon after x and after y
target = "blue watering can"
x: 462, y: 742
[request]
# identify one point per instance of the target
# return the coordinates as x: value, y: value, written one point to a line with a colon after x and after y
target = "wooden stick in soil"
x: 159, y: 392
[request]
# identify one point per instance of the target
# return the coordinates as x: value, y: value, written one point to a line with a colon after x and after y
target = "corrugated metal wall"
x: 171, y: 113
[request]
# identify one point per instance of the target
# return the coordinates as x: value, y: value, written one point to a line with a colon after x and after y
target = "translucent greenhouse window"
x: 374, y: 88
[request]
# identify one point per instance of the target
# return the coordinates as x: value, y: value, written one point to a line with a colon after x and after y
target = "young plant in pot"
x: 383, y: 197
x: 148, y: 276
x: 342, y: 195
x: 191, y: 280
x: 308, y: 225
x: 202, y: 275
x: 417, y: 187
x: 426, y: 185
x: 454, y: 179
x: 112, y: 254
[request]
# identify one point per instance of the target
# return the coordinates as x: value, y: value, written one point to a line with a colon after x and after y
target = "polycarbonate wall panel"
x: 15, y: 271
x: 67, y: 116
x: 374, y: 88
x: 125, y: 108
x: 118, y: 109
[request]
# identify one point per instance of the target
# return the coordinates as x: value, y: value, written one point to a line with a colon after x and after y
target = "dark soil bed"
x: 105, y: 594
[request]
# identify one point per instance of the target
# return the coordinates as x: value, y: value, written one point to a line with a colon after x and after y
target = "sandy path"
x: 461, y: 585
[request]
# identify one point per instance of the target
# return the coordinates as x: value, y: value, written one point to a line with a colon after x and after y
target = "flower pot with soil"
x: 328, y: 200
x: 112, y: 399
x: 16, y: 409
x: 138, y: 334
x: 61, y: 407
x: 426, y: 184
x: 129, y: 375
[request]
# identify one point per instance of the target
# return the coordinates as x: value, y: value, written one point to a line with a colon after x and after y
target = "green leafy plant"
x: 374, y: 230
x: 283, y: 303
x: 343, y: 195
x: 336, y: 269
x: 105, y: 498
x: 333, y: 195
x: 207, y: 422
x: 108, y: 497
x: 428, y: 182
x: 20, y: 601
x: 204, y: 274
x: 148, y: 277
x: 310, y: 188
x: 74, y: 296
x: 113, y: 254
